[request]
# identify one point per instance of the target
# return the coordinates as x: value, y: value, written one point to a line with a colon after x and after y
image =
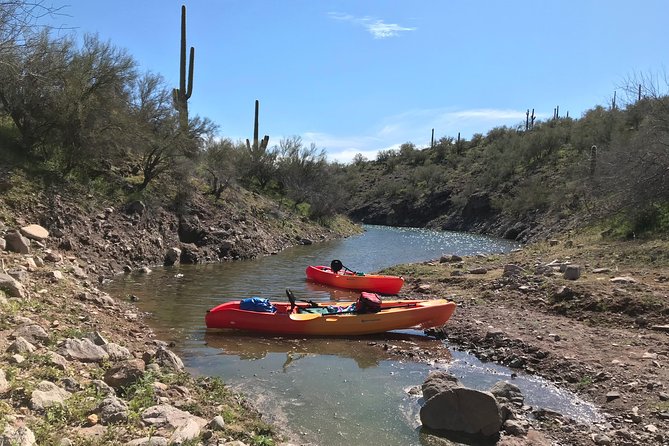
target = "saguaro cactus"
x: 593, y: 159
x: 257, y: 144
x: 182, y: 94
x: 532, y: 118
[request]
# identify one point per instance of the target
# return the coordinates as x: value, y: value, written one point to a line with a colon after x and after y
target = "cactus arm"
x: 191, y: 64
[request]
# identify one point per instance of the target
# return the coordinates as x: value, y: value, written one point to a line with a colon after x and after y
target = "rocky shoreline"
x: 80, y: 367
x: 83, y: 368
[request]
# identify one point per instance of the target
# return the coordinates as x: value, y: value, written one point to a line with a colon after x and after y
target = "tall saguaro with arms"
x: 182, y: 94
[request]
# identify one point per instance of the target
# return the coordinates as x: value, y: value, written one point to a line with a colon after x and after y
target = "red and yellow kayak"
x: 394, y: 315
x: 350, y: 280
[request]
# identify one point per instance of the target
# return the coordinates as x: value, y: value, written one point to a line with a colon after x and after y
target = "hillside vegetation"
x: 608, y: 168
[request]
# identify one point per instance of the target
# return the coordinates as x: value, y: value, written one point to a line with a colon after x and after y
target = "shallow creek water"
x: 330, y: 391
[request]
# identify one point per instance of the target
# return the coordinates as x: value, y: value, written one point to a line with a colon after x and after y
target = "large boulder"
x: 83, y: 350
x: 452, y: 407
x: 46, y: 395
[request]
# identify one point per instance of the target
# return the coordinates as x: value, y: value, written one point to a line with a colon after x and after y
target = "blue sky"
x: 358, y: 76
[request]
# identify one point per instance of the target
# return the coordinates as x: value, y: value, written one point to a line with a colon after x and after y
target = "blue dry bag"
x: 257, y: 304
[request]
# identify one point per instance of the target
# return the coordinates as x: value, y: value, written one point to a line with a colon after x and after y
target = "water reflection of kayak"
x: 366, y: 351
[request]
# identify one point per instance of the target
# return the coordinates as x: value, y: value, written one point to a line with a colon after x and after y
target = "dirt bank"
x: 602, y: 335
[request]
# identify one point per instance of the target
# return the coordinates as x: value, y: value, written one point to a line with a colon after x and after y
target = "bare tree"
x: 19, y: 19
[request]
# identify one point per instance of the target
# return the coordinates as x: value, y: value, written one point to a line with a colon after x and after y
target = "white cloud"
x: 413, y: 126
x: 376, y: 27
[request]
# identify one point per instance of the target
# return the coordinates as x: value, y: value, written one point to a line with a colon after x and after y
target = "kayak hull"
x: 394, y: 315
x: 373, y: 283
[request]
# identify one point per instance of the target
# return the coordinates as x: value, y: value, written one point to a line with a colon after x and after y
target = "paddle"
x: 291, y: 299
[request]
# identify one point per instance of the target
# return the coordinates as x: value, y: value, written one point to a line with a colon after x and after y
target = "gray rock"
x: 97, y: 338
x: 117, y: 352
x: 515, y: 428
x: 124, y: 373
x: 572, y: 272
x: 53, y: 257
x: 479, y: 270
x: 83, y: 350
x: 217, y: 423
x: 19, y: 274
x: 16, y: 359
x: 103, y: 388
x: 511, y: 269
x: 17, y: 436
x: 166, y: 416
x: 167, y: 359
x: 57, y: 360
x: 601, y: 439
x: 55, y: 276
x: 187, y: 431
x: 507, y: 392
x: 623, y: 279
x: 450, y: 258
x: 32, y: 333
x: 17, y: 243
x: 78, y: 272
x: 35, y: 232
x: 463, y: 410
x: 612, y: 395
x: 601, y: 270
x: 46, y: 395
x: 20, y: 345
x: 3, y: 244
x: 172, y: 256
x: 11, y: 286
x: 112, y: 410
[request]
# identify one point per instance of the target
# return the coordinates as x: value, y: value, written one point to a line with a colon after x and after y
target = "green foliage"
x: 585, y: 382
x: 652, y: 220
x: 140, y: 395
x: 262, y: 440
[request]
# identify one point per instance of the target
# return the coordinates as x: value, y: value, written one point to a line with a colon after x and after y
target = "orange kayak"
x: 350, y: 280
x: 394, y: 315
